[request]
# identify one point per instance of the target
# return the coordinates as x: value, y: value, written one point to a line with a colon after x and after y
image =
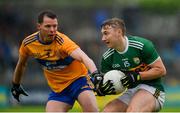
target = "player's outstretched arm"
x: 79, y: 55
x: 101, y: 89
x: 17, y: 89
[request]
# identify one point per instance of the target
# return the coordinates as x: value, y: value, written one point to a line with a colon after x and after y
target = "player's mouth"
x: 107, y: 42
x: 51, y: 35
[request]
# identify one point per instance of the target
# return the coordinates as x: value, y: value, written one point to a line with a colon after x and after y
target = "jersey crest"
x: 136, y: 60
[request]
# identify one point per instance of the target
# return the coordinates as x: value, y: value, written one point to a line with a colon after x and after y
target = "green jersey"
x: 138, y: 54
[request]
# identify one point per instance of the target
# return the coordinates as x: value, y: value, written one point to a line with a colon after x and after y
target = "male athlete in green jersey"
x: 143, y: 67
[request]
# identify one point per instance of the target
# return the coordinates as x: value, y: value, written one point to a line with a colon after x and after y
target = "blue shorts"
x: 71, y: 93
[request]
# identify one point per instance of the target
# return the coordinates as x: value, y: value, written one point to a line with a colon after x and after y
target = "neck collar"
x: 126, y: 46
x: 41, y: 41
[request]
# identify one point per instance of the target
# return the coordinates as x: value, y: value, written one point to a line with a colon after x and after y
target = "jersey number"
x: 126, y: 64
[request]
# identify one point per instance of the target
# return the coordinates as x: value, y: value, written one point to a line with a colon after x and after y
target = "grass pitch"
x: 102, y: 101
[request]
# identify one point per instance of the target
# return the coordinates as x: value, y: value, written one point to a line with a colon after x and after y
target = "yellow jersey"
x: 60, y: 69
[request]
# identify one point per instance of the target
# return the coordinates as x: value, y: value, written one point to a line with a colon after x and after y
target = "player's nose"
x: 52, y: 29
x: 103, y: 38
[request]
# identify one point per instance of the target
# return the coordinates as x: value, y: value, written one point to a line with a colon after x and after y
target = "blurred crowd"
x: 83, y: 26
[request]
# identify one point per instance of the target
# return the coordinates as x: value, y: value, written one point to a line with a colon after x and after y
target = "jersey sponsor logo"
x: 124, y: 59
x: 58, y: 64
x: 136, y: 60
x: 116, y: 65
x: 140, y: 68
x: 57, y: 68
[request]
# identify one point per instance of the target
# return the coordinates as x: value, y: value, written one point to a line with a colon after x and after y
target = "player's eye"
x: 105, y: 33
x: 54, y: 26
x: 47, y: 26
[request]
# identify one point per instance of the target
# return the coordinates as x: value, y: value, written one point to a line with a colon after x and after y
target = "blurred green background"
x: 157, y: 20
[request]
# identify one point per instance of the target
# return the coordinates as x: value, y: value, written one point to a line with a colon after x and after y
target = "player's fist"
x: 16, y: 90
x: 131, y: 79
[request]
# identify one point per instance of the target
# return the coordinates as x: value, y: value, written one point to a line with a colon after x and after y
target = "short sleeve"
x: 68, y: 46
x: 149, y: 53
x: 23, y: 50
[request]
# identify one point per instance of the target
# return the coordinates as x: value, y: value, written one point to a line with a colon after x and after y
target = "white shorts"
x: 159, y: 96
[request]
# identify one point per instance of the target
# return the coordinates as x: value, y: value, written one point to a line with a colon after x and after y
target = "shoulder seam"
x: 30, y: 39
x: 137, y: 47
x: 108, y: 53
x: 136, y: 44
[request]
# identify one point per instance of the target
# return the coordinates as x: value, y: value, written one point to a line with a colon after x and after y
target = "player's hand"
x: 105, y: 89
x: 131, y: 79
x: 16, y: 90
x: 100, y: 88
x: 97, y: 78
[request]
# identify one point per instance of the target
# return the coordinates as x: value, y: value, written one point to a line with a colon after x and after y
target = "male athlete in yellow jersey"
x: 65, y: 67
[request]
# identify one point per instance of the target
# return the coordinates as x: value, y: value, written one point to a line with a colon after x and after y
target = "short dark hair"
x: 47, y: 13
x: 115, y: 23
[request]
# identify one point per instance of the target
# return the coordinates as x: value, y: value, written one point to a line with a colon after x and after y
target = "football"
x: 115, y: 76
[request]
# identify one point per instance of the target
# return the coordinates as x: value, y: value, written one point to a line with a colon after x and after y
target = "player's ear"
x: 120, y: 31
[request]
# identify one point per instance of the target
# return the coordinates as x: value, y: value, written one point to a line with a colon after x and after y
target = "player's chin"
x: 108, y: 45
x: 52, y: 38
x: 49, y: 39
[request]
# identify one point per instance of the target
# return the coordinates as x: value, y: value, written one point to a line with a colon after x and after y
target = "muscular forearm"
x: 90, y: 65
x: 18, y: 73
x: 157, y: 70
x: 152, y: 74
x: 79, y: 55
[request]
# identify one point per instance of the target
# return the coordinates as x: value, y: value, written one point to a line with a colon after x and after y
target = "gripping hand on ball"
x: 131, y: 79
x: 105, y: 89
x: 100, y: 88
